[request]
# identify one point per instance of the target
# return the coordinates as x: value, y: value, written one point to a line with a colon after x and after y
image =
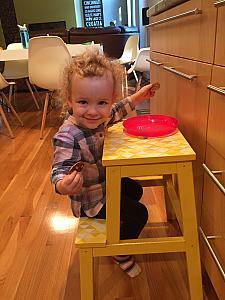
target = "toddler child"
x: 90, y: 88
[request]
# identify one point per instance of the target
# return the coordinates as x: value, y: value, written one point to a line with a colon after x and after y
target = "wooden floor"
x: 37, y: 257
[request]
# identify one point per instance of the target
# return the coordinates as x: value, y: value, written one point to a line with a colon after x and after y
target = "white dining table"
x: 22, y: 54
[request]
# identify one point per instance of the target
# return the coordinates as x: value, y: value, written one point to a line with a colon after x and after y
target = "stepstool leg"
x: 186, y: 191
x: 86, y: 274
x: 169, y: 208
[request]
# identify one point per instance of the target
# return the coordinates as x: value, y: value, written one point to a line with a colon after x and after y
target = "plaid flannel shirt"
x: 73, y: 143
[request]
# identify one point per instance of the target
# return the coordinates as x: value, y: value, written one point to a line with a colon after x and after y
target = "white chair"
x: 14, y: 70
x: 129, y: 55
x: 130, y: 50
x: 140, y: 64
x: 47, y: 57
x: 7, y: 102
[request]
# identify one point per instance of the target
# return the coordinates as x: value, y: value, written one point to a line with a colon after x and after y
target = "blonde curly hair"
x: 91, y: 63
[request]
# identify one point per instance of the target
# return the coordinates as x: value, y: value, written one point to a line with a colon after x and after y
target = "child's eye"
x: 82, y: 102
x: 102, y: 102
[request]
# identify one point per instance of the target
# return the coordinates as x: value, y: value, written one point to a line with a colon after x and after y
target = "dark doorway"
x: 9, y: 21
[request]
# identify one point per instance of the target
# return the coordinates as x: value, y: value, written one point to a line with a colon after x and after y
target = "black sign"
x: 93, y: 13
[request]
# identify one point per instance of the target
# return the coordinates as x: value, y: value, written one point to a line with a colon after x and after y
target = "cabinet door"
x: 192, y: 101
x: 220, y: 35
x: 213, y: 221
x: 190, y: 35
x: 216, y: 123
x: 192, y: 106
x: 164, y: 101
x: 189, y: 101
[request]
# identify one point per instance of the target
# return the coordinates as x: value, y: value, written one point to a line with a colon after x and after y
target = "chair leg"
x: 12, y: 93
x: 135, y: 75
x: 44, y: 115
x: 32, y: 94
x: 124, y: 84
x: 11, y: 87
x: 86, y: 274
x: 37, y: 93
x: 6, y: 122
x: 12, y: 108
x: 138, y: 85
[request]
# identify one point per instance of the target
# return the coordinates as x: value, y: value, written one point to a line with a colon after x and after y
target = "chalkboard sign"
x: 93, y: 13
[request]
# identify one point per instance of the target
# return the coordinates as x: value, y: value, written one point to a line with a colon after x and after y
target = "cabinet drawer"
x: 213, y: 221
x: 191, y: 35
x: 216, y: 122
x: 220, y: 35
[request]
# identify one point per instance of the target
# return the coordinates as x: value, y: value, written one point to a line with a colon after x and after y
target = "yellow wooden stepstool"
x: 124, y: 156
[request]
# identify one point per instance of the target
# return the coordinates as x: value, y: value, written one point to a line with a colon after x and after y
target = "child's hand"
x: 70, y: 184
x: 145, y: 93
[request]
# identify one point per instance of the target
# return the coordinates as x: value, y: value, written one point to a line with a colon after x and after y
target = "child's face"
x: 91, y: 100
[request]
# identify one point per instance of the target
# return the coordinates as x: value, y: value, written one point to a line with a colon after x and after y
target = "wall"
x: 146, y: 30
x: 142, y: 29
x: 45, y: 11
x: 78, y: 13
x: 69, y: 10
x: 111, y: 11
x: 2, y: 40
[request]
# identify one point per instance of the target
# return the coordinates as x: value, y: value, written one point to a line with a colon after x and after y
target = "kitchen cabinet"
x: 187, y: 30
x: 187, y: 100
x: 213, y: 205
x: 220, y: 36
x: 216, y: 120
x: 212, y: 220
x: 187, y: 57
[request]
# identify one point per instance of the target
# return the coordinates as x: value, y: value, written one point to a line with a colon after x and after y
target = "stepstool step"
x: 91, y: 233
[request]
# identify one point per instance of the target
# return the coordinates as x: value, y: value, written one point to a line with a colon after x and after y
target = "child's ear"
x: 70, y: 110
x: 70, y: 107
x: 69, y: 102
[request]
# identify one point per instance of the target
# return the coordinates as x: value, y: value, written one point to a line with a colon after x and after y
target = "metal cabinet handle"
x: 214, y: 237
x: 210, y: 173
x: 194, y: 11
x: 154, y: 62
x: 216, y: 89
x: 219, y: 3
x: 186, y: 76
x: 217, y: 172
x: 212, y: 252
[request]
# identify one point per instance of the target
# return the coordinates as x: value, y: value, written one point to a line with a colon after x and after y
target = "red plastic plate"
x: 150, y: 125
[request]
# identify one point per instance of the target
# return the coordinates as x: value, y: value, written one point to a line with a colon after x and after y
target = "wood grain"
x: 38, y: 259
